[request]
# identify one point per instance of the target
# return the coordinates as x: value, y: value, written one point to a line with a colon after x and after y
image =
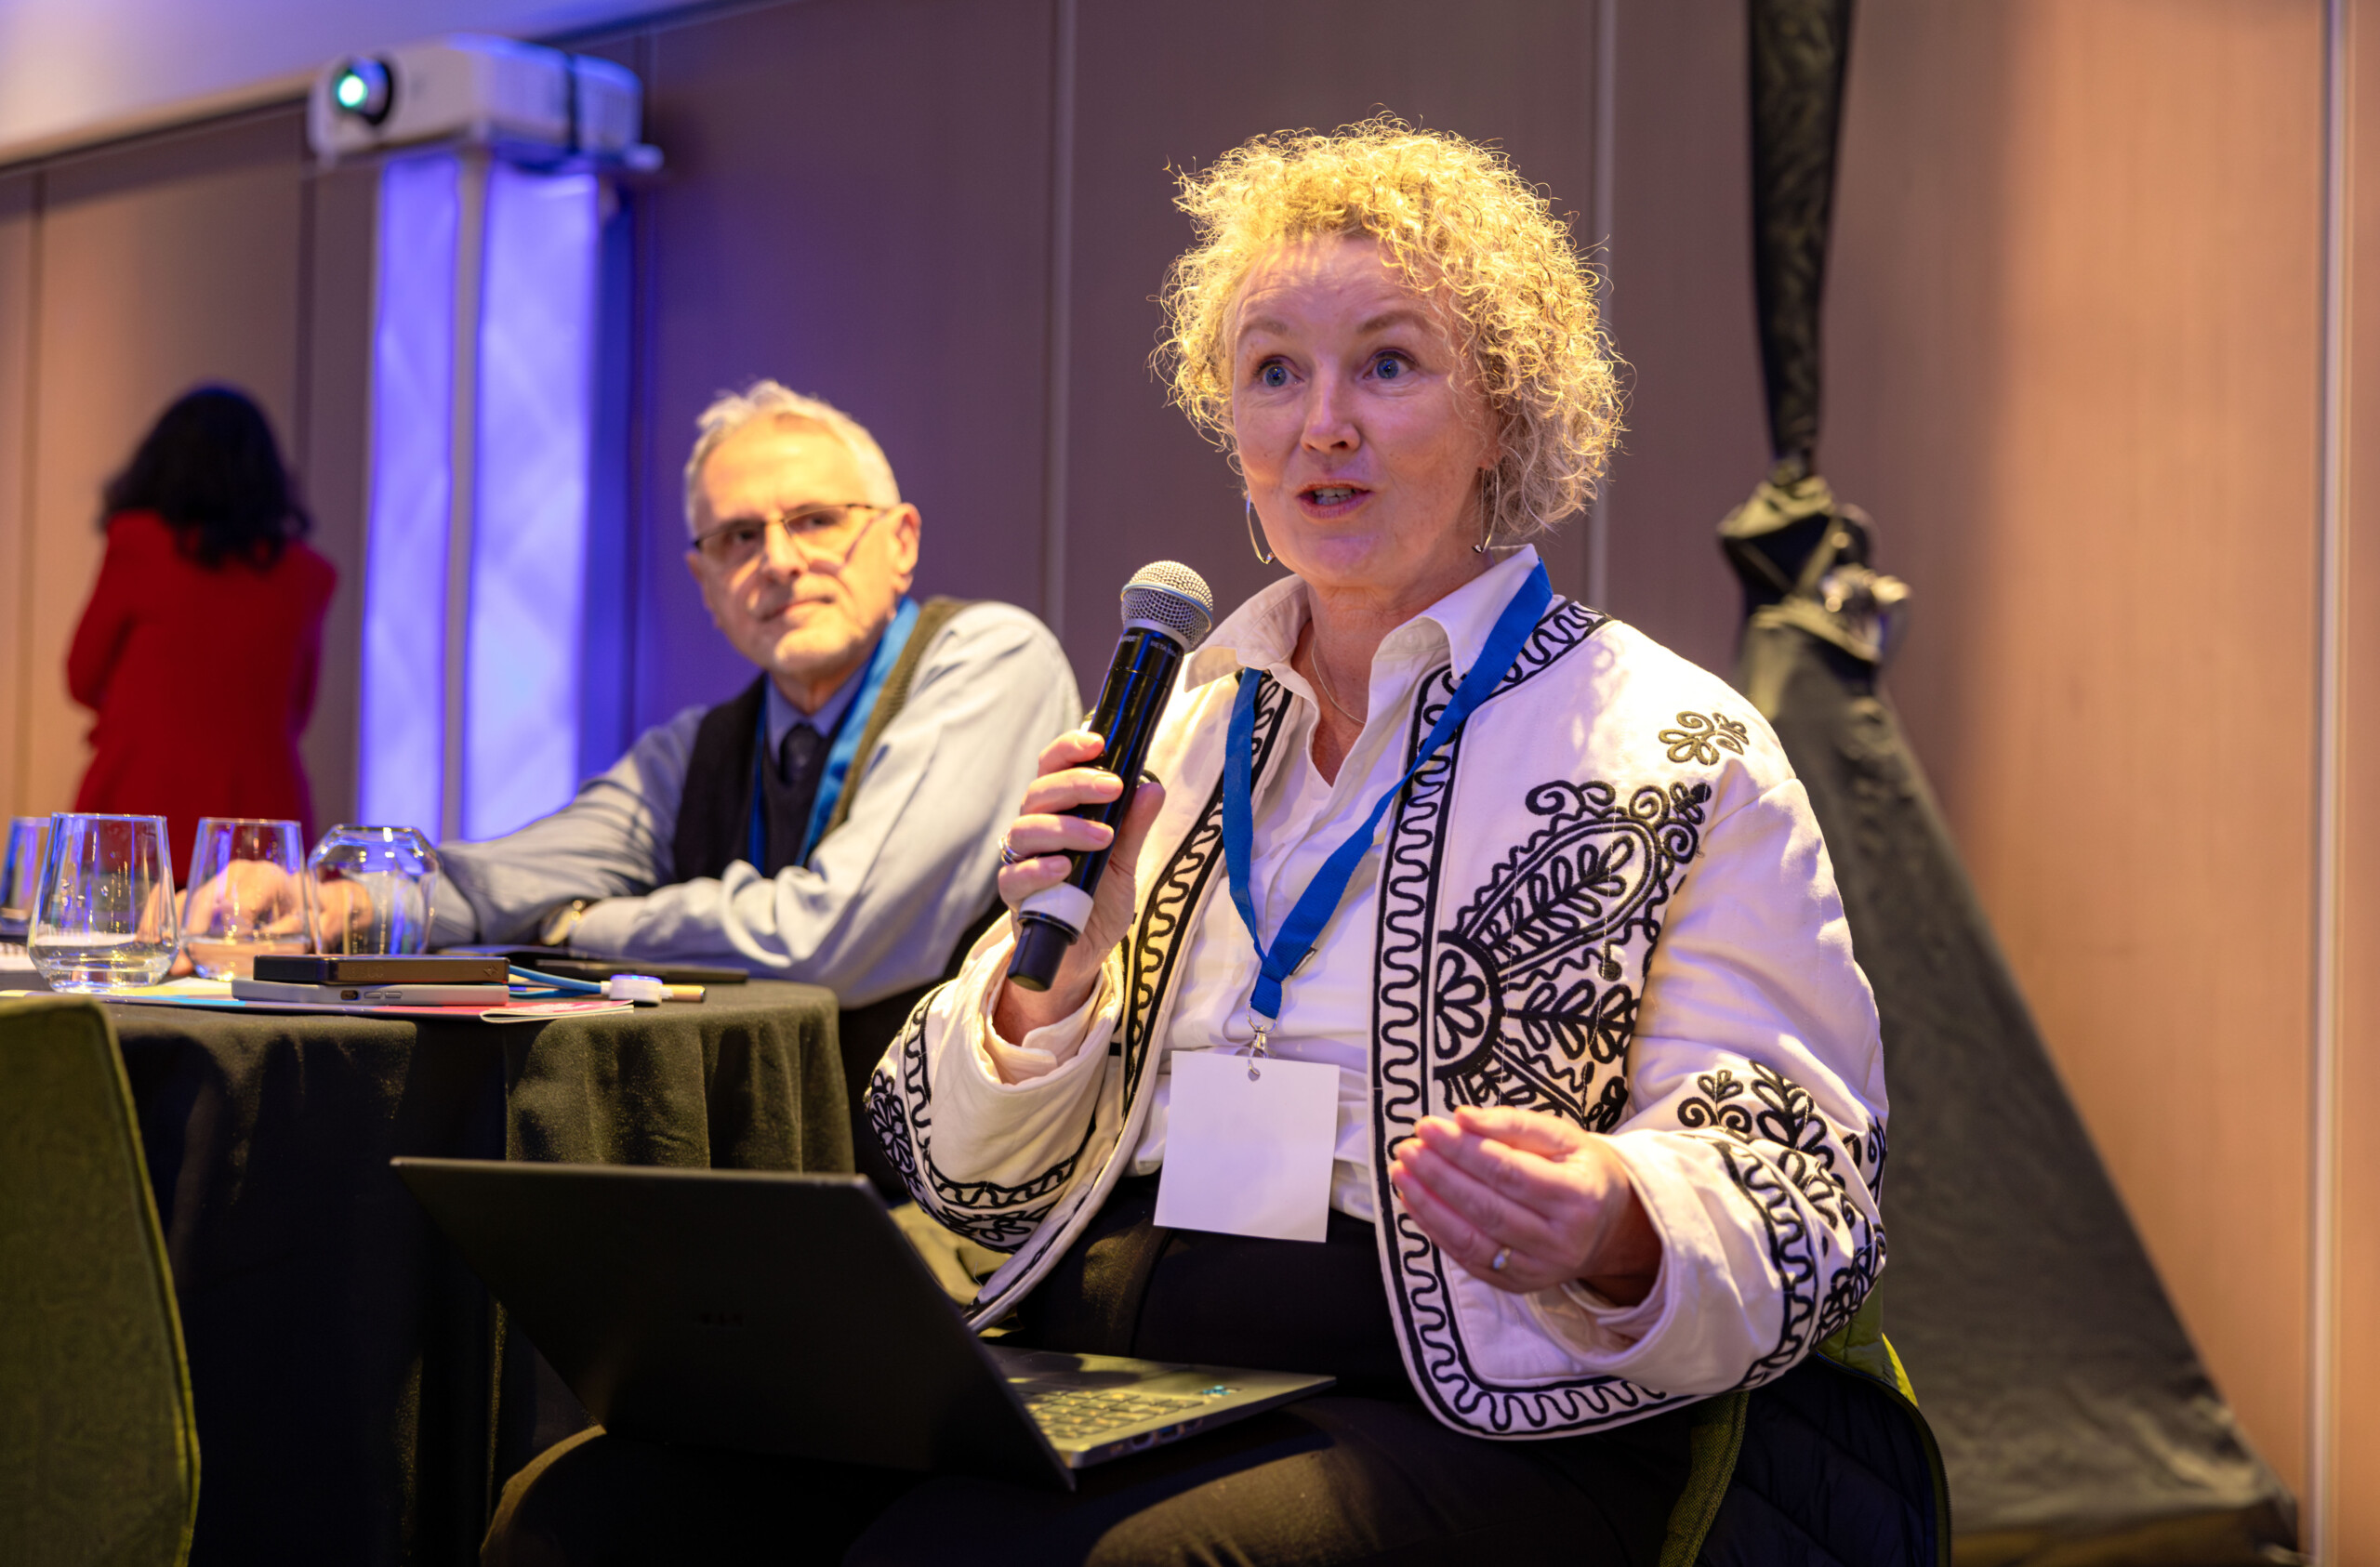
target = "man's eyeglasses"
x: 822, y: 532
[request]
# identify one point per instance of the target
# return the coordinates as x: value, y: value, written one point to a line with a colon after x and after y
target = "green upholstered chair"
x: 1832, y: 1462
x: 98, y: 1451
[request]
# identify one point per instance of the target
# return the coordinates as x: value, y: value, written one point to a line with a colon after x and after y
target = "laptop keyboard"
x: 1085, y: 1413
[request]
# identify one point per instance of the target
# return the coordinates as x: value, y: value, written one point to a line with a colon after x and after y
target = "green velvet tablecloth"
x: 345, y: 1365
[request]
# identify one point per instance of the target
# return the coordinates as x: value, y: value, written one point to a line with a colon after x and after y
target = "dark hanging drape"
x: 1799, y: 48
x: 2075, y: 1419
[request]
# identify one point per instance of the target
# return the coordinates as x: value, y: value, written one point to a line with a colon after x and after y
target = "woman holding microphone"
x: 1467, y: 1010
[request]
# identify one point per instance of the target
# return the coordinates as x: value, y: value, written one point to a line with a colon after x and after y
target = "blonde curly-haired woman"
x: 1541, y: 902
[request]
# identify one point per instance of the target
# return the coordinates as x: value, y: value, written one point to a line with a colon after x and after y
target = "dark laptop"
x: 787, y: 1314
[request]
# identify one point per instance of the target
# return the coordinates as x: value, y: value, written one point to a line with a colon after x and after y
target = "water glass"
x: 372, y: 890
x: 246, y: 895
x: 21, y: 874
x: 104, y: 917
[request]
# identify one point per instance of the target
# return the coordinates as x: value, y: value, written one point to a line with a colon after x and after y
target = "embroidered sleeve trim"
x: 1780, y: 1150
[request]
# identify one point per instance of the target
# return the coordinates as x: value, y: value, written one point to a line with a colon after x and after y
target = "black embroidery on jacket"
x: 985, y: 1212
x: 1534, y: 1007
x: 1698, y: 739
x: 1447, y: 1027
x: 1716, y: 1106
x: 1789, y: 1251
x: 886, y: 1113
x: 1784, y: 1151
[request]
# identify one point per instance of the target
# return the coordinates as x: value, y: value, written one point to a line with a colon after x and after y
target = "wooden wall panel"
x: 888, y: 254
x: 163, y: 264
x: 2073, y: 365
x: 1166, y: 87
x: 18, y: 220
x: 2354, y: 1434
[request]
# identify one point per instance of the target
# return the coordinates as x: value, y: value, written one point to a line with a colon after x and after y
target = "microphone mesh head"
x: 1174, y: 597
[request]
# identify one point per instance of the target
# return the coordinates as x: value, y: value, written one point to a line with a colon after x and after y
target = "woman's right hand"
x: 1042, y: 829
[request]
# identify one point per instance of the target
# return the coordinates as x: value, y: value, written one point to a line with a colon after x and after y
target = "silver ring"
x: 1008, y: 856
x: 1504, y: 1255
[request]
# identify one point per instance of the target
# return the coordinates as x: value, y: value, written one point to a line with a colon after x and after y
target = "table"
x: 358, y: 1398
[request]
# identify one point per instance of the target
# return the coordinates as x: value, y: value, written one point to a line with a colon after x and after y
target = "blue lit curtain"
x: 482, y: 750
x: 529, y: 539
x: 402, y: 735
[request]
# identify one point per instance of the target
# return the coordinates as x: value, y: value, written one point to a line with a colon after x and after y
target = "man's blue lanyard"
x: 848, y: 730
x: 1315, y: 904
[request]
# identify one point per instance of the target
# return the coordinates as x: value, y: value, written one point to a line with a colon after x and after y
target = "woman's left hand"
x: 1553, y: 1201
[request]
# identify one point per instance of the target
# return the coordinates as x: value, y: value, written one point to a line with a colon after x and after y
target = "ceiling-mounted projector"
x: 535, y: 103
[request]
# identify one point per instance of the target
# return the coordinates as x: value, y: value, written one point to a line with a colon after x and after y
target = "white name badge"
x: 1247, y: 1146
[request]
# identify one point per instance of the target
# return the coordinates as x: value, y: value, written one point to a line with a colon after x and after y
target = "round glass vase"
x: 371, y: 891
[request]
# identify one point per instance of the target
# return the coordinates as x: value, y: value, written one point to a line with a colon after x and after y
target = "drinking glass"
x: 104, y: 917
x: 246, y: 895
x: 371, y: 891
x: 21, y: 874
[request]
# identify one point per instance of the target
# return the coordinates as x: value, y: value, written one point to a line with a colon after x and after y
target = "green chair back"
x: 99, y: 1451
x: 1858, y: 1351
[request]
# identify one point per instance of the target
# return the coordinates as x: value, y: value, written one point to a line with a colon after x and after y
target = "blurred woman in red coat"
x: 200, y: 645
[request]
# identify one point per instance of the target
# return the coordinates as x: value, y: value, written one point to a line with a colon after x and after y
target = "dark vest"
x: 714, y: 817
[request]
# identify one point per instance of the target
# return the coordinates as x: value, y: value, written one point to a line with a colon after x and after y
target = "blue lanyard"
x: 849, y: 729
x: 1322, y: 896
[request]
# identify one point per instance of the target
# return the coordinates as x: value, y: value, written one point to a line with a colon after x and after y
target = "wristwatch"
x: 563, y: 922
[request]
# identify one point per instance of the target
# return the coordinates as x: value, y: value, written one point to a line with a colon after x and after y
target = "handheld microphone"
x: 1168, y: 611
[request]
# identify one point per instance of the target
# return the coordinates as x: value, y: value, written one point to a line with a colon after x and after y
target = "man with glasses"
x: 839, y: 822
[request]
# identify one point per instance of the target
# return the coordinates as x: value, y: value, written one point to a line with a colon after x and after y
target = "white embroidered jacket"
x: 1605, y: 899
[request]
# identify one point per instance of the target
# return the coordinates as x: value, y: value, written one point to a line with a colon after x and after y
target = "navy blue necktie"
x: 801, y: 763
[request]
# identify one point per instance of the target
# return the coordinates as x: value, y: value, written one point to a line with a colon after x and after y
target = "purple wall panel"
x: 888, y: 254
x: 1165, y: 87
x: 896, y: 259
x: 400, y: 741
x: 538, y: 321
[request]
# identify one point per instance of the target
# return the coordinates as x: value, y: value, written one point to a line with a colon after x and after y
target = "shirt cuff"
x: 1585, y: 1321
x: 1589, y: 1323
x: 1623, y: 1326
x: 1043, y: 1051
x: 608, y: 926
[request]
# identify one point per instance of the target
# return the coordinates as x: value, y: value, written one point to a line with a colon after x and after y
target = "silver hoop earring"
x: 1487, y: 527
x: 1254, y: 536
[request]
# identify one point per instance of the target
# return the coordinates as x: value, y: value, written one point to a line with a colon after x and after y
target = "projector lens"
x: 364, y: 89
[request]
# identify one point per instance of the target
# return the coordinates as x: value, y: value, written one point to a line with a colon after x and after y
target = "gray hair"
x: 731, y: 411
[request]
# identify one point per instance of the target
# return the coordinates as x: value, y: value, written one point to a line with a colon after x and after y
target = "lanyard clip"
x: 1256, y: 1047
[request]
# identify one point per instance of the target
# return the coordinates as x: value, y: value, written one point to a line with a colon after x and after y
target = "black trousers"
x: 1362, y: 1474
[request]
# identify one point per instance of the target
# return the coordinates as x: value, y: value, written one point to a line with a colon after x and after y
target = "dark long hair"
x: 211, y: 469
